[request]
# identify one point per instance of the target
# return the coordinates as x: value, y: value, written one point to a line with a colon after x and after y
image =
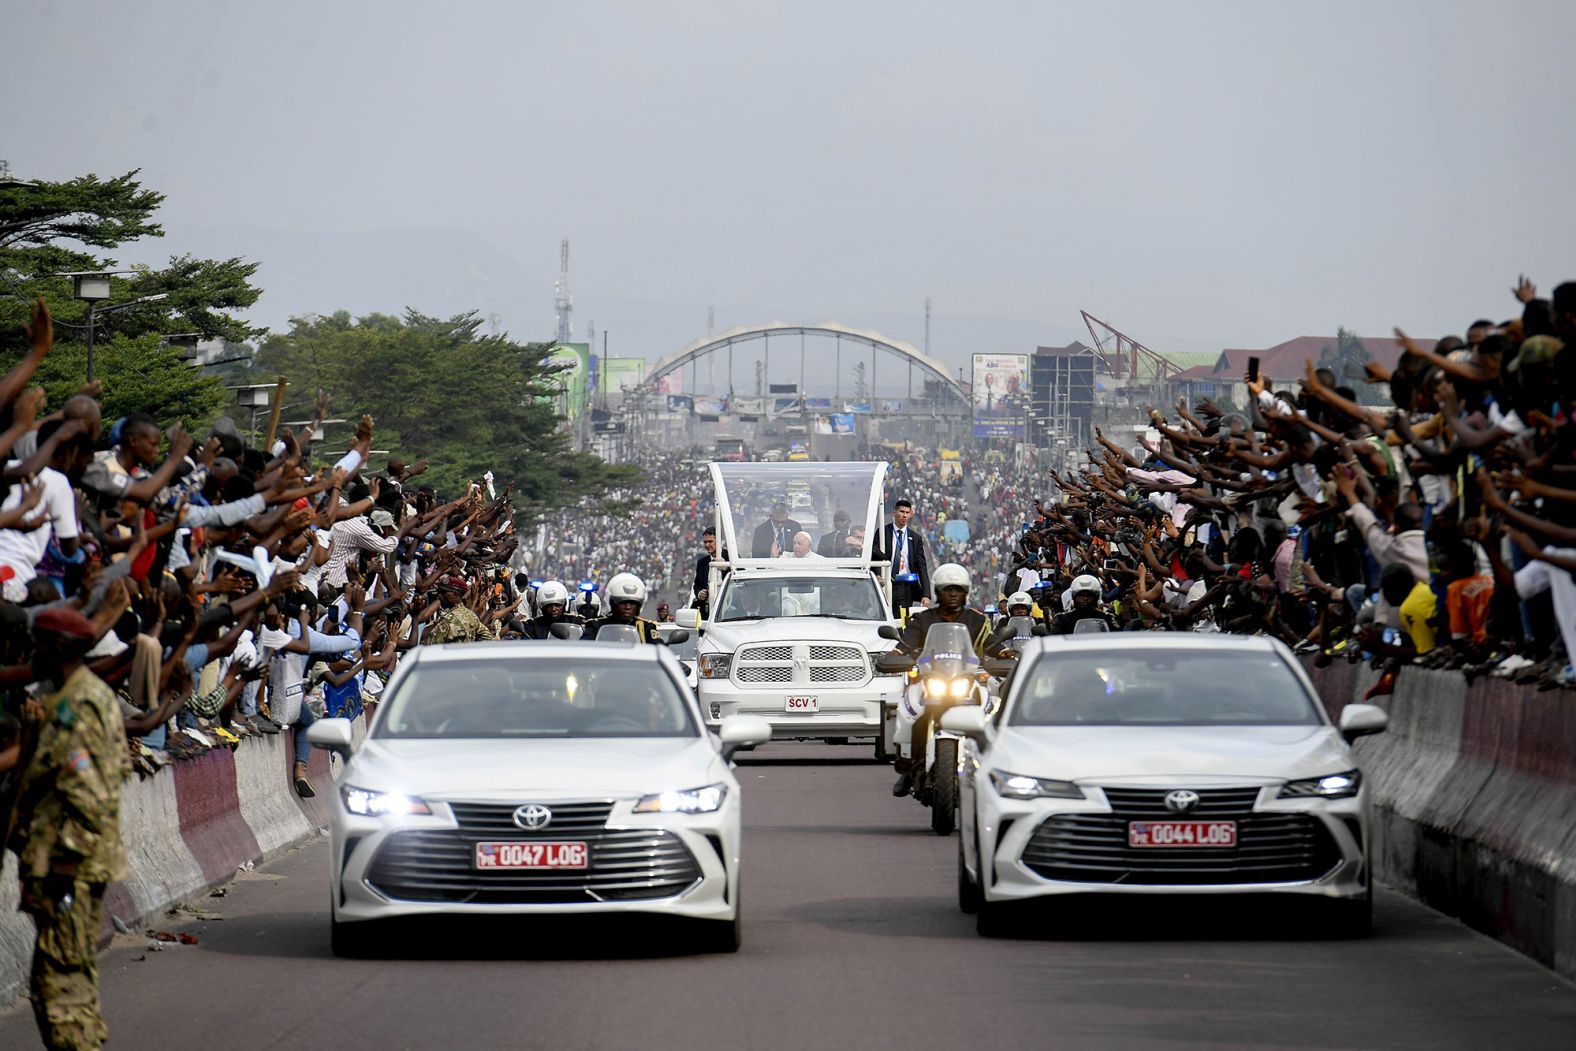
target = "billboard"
x: 621, y: 374
x: 574, y: 360
x: 748, y: 406
x: 710, y: 405
x: 1001, y: 383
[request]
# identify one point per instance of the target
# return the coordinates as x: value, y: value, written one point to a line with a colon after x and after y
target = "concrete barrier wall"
x: 1475, y: 796
x: 186, y: 830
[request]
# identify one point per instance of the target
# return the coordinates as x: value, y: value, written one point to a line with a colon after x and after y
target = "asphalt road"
x: 852, y: 939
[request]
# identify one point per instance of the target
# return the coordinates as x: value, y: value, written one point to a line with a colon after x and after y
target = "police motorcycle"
x: 945, y: 674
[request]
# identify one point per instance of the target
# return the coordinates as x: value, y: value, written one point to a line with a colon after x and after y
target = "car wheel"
x: 944, y: 793
x: 721, y: 936
x: 968, y: 889
x: 354, y: 941
x: 991, y: 921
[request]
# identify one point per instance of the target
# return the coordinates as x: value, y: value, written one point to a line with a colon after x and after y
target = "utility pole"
x: 711, y: 321
x: 927, y: 326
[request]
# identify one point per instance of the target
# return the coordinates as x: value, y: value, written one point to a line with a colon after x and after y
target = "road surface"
x: 852, y: 939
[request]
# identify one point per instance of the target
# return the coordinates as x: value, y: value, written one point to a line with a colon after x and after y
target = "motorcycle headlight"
x: 1022, y: 786
x: 714, y: 665
x: 1330, y: 786
x: 936, y: 687
x: 365, y: 803
x: 687, y: 801
x: 960, y: 688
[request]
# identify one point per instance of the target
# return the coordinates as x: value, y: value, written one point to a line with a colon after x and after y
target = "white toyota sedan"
x: 1158, y: 763
x: 512, y: 778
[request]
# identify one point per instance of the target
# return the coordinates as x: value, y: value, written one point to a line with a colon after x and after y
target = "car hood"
x: 725, y: 638
x: 1160, y: 755
x: 547, y: 769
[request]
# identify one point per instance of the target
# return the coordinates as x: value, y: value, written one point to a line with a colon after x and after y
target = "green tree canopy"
x: 50, y: 229
x: 441, y: 389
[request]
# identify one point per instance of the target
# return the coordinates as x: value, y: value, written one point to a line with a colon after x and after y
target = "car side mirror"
x: 1362, y: 720
x: 965, y: 721
x: 675, y: 638
x: 1041, y: 631
x: 888, y: 632
x: 688, y: 617
x: 329, y: 733
x: 566, y: 630
x: 892, y: 662
x: 742, y: 731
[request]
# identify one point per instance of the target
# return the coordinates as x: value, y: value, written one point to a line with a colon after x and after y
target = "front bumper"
x: 673, y: 864
x: 844, y: 711
x: 1050, y: 847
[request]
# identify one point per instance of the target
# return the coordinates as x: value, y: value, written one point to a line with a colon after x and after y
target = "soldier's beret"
x: 63, y: 620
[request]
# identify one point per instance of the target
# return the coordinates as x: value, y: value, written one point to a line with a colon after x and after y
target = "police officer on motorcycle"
x: 1085, y: 591
x: 951, y: 582
x: 552, y: 607
x: 626, y: 593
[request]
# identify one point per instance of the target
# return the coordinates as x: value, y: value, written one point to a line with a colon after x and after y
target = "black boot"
x: 903, y: 785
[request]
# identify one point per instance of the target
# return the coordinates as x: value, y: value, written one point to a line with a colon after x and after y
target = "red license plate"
x: 1181, y: 833
x: 531, y: 855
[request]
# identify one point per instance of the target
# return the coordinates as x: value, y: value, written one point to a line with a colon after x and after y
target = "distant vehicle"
x: 730, y: 450
x: 1169, y: 764
x: 798, y: 454
x: 536, y: 778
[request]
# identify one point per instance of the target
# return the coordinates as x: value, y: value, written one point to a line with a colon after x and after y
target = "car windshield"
x: 853, y: 598
x: 554, y: 697
x: 1162, y: 687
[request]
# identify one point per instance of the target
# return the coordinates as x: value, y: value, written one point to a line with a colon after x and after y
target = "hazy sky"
x: 1202, y: 175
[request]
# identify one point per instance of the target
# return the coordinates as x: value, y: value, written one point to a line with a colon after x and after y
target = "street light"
x: 93, y: 312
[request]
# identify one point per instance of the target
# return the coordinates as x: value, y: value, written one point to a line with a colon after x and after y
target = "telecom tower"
x: 563, y: 302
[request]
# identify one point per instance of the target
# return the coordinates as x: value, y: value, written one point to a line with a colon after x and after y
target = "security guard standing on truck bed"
x: 67, y: 836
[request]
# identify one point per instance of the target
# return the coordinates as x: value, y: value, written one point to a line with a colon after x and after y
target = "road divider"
x: 1474, y: 793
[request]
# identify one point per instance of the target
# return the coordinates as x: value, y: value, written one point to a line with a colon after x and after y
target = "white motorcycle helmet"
x: 626, y: 587
x: 1018, y: 598
x: 552, y: 592
x: 951, y: 575
x: 1084, y: 583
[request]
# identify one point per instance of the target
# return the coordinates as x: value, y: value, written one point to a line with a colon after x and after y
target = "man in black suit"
x: 775, y: 535
x: 834, y: 544
x: 906, y: 549
x: 702, y: 586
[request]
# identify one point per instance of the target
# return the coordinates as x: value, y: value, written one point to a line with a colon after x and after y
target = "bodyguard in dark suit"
x: 906, y: 550
x: 702, y: 587
x: 777, y: 531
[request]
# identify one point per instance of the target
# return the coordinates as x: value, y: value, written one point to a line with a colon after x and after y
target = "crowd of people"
x: 165, y: 594
x: 1436, y: 527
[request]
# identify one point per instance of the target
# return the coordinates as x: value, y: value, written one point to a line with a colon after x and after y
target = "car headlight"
x: 686, y: 801
x: 1022, y: 786
x: 365, y: 803
x: 714, y: 665
x: 1330, y: 786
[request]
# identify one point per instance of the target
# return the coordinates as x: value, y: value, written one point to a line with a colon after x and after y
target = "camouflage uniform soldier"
x: 456, y: 623
x: 67, y: 837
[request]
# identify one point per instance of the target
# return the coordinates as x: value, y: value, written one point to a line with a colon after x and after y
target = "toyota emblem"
x: 533, y: 817
x: 1181, y: 801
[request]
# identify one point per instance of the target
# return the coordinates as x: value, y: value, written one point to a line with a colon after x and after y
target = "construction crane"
x: 1122, y: 354
x: 563, y: 302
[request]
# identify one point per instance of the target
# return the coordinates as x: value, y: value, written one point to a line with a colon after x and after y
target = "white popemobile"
x: 798, y: 605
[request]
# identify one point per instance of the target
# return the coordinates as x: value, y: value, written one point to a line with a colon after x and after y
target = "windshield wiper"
x: 748, y: 616
x: 834, y: 616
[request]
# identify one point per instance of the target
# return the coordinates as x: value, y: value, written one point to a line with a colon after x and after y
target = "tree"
x: 443, y: 390
x: 50, y: 229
